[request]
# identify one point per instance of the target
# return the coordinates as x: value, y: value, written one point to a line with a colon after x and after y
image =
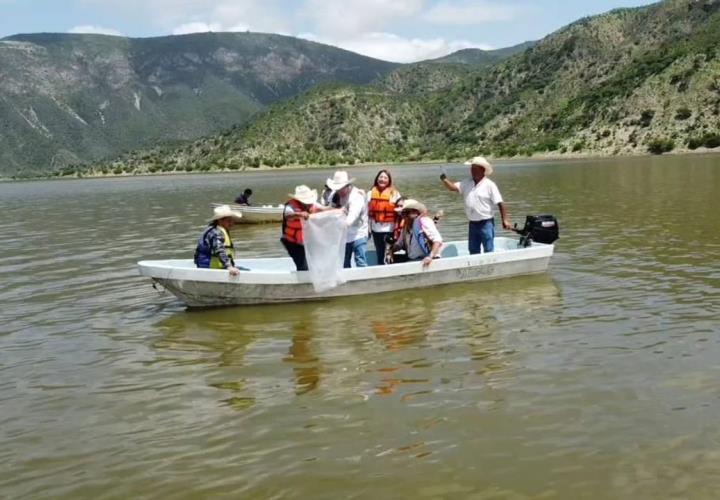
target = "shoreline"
x: 540, y: 157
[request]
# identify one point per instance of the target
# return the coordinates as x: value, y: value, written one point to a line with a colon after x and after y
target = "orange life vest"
x: 380, y: 208
x: 292, y: 228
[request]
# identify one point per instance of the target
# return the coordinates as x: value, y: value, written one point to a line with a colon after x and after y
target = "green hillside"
x: 68, y: 98
x: 479, y: 57
x: 629, y: 81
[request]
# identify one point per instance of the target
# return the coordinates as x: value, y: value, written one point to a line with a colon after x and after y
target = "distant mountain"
x: 479, y: 57
x: 67, y: 98
x: 632, y: 80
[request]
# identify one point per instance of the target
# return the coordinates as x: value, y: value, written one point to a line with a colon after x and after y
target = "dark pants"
x: 481, y: 233
x: 297, y: 253
x: 380, y: 246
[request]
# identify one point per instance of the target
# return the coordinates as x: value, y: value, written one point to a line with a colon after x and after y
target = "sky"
x: 393, y: 30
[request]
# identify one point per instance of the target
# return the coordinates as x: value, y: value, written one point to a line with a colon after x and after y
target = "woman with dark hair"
x: 382, y: 201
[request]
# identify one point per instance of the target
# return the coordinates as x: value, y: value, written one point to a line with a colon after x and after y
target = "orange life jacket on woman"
x: 380, y: 208
x: 292, y: 228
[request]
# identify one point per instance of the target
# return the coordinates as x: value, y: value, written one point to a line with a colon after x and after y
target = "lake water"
x: 598, y: 379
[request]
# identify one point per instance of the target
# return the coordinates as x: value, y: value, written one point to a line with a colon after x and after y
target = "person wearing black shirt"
x: 244, y: 198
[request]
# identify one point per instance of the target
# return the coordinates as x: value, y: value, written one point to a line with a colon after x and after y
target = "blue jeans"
x: 357, y: 247
x: 481, y: 233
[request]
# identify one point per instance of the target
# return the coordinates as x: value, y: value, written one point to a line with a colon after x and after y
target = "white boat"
x: 256, y: 214
x: 274, y: 280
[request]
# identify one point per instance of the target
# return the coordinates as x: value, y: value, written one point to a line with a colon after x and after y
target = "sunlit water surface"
x: 598, y: 379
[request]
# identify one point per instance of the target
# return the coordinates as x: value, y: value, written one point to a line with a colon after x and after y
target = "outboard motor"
x: 540, y: 228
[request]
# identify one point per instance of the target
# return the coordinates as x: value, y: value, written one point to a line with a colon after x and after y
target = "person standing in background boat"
x: 244, y: 198
x: 302, y: 203
x: 353, y: 201
x: 382, y: 201
x: 215, y: 248
x: 420, y: 237
x: 480, y: 195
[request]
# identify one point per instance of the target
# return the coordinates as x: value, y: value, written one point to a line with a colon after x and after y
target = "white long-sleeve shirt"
x: 357, y: 215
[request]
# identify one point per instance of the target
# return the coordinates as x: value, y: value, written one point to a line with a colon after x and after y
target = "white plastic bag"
x: 324, y: 234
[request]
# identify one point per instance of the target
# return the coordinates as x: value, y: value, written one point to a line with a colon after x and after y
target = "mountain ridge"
x: 625, y: 82
x: 69, y: 98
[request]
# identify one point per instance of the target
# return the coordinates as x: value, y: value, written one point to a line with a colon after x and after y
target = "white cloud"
x: 364, y: 26
x: 95, y: 30
x: 470, y: 13
x: 352, y: 17
x: 200, y: 27
x: 196, y: 27
x: 225, y: 15
x: 391, y: 47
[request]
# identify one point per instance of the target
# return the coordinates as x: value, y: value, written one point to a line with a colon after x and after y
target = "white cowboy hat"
x: 411, y: 204
x: 304, y: 195
x: 222, y: 211
x: 339, y: 180
x: 481, y: 161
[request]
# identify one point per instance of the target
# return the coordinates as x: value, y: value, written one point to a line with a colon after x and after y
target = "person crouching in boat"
x: 302, y: 203
x: 420, y: 237
x: 215, y: 247
x: 382, y: 201
x: 244, y: 197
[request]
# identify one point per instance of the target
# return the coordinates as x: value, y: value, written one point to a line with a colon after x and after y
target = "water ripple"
x: 595, y: 380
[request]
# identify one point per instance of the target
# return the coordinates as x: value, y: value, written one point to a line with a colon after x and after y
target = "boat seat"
x: 449, y: 250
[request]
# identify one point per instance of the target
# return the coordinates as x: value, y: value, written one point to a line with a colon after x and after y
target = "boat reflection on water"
x: 357, y: 348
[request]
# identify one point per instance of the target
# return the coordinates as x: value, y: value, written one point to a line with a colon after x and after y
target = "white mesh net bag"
x: 324, y: 234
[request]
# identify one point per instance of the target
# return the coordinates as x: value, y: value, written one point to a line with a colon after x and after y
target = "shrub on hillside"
x: 683, y: 114
x: 660, y: 146
x: 646, y: 117
x: 709, y: 140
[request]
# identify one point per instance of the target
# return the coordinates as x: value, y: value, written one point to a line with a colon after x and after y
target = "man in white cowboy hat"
x: 480, y: 195
x: 215, y: 247
x: 353, y: 201
x: 302, y: 203
x: 420, y: 237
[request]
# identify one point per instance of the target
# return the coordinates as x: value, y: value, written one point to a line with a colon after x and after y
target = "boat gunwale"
x: 169, y: 270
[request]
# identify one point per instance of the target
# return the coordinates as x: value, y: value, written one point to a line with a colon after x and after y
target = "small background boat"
x: 257, y: 214
x: 273, y: 280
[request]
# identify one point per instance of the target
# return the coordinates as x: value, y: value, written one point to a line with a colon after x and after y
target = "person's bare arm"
x: 433, y: 253
x: 450, y: 185
x: 504, y: 216
x: 298, y: 215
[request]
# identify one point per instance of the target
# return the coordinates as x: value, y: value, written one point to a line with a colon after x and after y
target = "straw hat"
x: 481, y: 161
x: 339, y: 180
x: 304, y: 195
x: 222, y: 211
x: 411, y: 204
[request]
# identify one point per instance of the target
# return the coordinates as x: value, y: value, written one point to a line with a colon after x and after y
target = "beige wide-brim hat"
x: 413, y: 205
x: 304, y: 195
x: 222, y: 211
x: 481, y: 161
x: 339, y: 180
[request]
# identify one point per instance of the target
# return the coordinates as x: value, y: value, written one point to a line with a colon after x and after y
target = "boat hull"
x: 212, y: 288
